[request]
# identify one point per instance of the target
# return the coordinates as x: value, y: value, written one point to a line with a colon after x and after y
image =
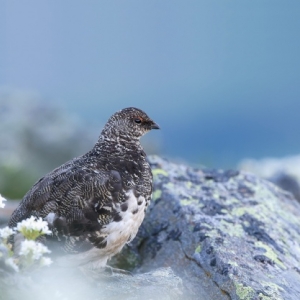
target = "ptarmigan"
x: 94, y: 204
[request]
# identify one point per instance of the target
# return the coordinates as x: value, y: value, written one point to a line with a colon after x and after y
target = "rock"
x: 287, y: 182
x: 208, y: 234
x: 284, y: 172
x: 226, y: 234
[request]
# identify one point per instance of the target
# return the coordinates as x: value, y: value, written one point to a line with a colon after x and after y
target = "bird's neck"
x: 117, y: 135
x: 117, y: 145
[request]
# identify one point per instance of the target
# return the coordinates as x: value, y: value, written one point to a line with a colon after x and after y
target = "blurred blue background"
x: 221, y: 78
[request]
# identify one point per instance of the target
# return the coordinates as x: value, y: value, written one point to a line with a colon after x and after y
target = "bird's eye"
x: 138, y: 121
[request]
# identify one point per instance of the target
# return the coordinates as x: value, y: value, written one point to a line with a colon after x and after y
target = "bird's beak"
x: 154, y: 126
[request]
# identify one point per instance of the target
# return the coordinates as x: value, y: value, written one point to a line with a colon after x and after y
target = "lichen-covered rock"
x: 211, y: 235
x: 227, y: 234
x: 284, y: 172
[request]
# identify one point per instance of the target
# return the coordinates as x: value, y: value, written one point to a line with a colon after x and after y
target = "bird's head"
x: 128, y: 123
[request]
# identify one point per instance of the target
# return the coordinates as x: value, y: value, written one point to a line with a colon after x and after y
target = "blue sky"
x: 220, y: 77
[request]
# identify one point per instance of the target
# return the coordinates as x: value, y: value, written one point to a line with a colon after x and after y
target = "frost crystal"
x: 34, y: 249
x: 32, y: 228
x: 1, y: 201
x: 6, y: 232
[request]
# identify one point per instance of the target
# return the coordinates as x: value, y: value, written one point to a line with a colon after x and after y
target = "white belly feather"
x: 118, y: 234
x: 121, y: 232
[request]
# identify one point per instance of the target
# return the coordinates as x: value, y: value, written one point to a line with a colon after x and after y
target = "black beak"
x: 154, y: 126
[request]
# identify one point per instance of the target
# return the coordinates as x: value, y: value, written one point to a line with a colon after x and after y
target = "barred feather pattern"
x: 96, y: 202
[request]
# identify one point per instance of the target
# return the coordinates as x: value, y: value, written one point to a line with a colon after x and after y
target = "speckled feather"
x: 88, y: 200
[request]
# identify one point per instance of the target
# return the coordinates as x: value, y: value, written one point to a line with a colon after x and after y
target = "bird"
x: 94, y: 204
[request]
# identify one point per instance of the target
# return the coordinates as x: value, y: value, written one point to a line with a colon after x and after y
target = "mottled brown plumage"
x: 96, y: 202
